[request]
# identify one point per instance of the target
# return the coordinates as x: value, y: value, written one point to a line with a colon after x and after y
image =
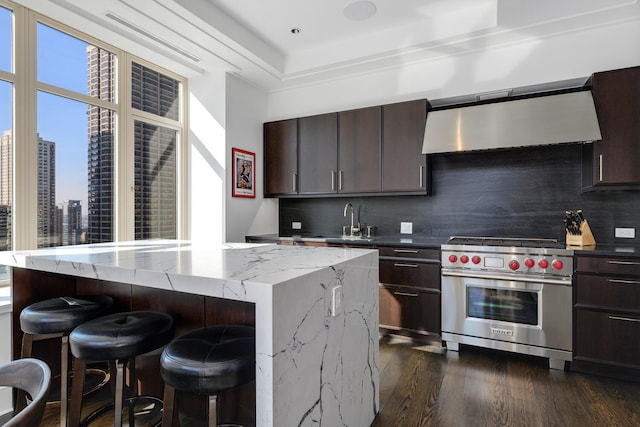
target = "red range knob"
x: 476, y: 259
x: 543, y: 263
x: 557, y: 264
x: 453, y: 258
x: 464, y: 259
x: 514, y: 265
x: 529, y: 262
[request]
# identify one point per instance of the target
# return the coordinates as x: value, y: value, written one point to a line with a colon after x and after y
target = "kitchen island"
x: 315, y: 311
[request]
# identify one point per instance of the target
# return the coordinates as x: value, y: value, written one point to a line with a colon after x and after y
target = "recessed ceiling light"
x: 295, y: 30
x: 359, y: 10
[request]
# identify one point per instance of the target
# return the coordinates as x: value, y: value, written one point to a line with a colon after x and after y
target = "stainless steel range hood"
x: 542, y: 120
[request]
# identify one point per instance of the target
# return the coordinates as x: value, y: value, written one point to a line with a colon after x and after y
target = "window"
x: 155, y: 152
x: 76, y: 165
x: 75, y: 142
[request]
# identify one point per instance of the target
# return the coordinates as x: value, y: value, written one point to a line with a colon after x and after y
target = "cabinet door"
x: 608, y: 337
x: 359, y: 150
x: 617, y: 98
x: 318, y: 154
x: 280, y: 157
x: 404, y: 167
x: 407, y: 308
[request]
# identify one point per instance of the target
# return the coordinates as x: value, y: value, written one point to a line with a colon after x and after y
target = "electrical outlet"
x: 406, y: 227
x: 336, y: 301
x: 296, y: 225
x: 626, y: 233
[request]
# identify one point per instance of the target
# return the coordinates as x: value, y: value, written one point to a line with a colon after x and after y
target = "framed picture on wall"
x: 244, y: 173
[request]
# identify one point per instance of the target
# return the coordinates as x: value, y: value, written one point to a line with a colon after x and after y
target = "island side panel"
x: 325, y: 367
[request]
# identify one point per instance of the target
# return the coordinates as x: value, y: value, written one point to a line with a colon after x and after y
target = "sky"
x: 62, y: 61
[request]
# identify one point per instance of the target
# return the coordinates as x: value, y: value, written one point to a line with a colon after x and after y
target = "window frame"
x: 26, y: 87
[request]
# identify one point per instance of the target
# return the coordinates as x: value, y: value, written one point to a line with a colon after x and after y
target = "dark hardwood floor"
x: 422, y: 385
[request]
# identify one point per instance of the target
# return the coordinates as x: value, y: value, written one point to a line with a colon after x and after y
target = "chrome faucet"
x: 353, y: 230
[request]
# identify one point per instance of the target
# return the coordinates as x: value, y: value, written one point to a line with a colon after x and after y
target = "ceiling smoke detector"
x: 359, y: 10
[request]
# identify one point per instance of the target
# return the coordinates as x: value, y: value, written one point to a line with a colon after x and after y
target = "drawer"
x: 410, y: 273
x: 407, y: 308
x: 608, y: 291
x: 607, y: 337
x: 408, y: 252
x: 613, y: 265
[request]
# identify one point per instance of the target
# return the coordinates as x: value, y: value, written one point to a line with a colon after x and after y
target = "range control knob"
x: 557, y: 264
x: 529, y: 262
x: 453, y: 258
x: 543, y: 263
x: 475, y: 259
x: 464, y: 259
x: 514, y: 265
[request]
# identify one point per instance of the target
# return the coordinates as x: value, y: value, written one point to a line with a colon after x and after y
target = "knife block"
x: 585, y: 238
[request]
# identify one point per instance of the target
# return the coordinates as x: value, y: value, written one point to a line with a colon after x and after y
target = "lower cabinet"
x: 607, y: 316
x: 410, y: 291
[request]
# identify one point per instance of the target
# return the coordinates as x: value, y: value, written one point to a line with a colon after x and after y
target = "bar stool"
x: 207, y: 361
x: 117, y: 337
x: 56, y: 318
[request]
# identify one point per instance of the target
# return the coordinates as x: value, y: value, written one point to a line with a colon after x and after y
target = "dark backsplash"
x: 515, y: 193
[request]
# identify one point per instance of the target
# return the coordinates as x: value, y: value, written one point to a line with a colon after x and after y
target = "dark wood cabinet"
x: 318, y: 154
x: 410, y: 291
x: 404, y: 167
x: 607, y: 316
x: 359, y: 150
x: 614, y: 162
x: 280, y: 157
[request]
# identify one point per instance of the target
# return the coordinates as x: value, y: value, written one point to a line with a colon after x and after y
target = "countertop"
x: 631, y: 250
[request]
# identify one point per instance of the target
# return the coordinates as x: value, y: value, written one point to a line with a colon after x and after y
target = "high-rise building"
x: 101, y: 69
x: 6, y: 168
x: 71, y: 222
x: 46, y: 193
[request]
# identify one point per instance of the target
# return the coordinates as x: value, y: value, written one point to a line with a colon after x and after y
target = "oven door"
x: 522, y: 312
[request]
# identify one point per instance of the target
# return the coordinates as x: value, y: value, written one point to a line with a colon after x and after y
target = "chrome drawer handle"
x: 405, y: 265
x: 405, y: 251
x: 625, y: 282
x: 624, y: 262
x: 626, y: 319
x: 405, y: 294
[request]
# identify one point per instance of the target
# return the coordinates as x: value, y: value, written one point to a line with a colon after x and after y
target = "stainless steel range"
x: 508, y: 294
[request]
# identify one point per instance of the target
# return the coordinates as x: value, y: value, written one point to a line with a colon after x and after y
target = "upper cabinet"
x: 404, y: 167
x: 614, y: 162
x: 359, y: 150
x: 281, y: 157
x: 375, y: 151
x: 318, y: 154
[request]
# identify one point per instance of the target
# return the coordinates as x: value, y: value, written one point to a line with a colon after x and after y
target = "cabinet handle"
x: 600, y: 161
x: 340, y: 181
x: 333, y: 180
x: 626, y: 319
x: 295, y: 182
x: 399, y: 264
x: 405, y: 294
x: 405, y: 251
x: 623, y: 262
x: 421, y: 176
x: 625, y: 282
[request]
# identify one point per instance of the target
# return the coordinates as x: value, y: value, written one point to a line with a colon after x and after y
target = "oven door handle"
x: 493, y: 276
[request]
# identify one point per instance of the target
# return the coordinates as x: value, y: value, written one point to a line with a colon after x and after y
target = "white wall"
x: 568, y: 56
x: 246, y: 111
x: 207, y: 158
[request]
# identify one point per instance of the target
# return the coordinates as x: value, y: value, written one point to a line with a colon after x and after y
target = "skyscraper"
x: 101, y: 69
x: 71, y: 222
x: 46, y: 193
x: 6, y: 185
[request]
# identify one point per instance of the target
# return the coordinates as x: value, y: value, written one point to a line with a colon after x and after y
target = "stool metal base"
x: 144, y: 410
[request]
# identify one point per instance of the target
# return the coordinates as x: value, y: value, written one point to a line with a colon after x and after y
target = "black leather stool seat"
x: 210, y: 360
x: 62, y: 314
x: 121, y: 335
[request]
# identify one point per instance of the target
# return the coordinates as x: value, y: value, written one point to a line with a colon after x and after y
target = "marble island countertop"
x: 316, y: 360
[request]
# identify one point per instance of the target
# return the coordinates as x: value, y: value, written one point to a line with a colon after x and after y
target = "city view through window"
x: 77, y: 139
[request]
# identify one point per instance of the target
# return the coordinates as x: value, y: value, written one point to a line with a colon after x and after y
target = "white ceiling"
x: 252, y: 38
